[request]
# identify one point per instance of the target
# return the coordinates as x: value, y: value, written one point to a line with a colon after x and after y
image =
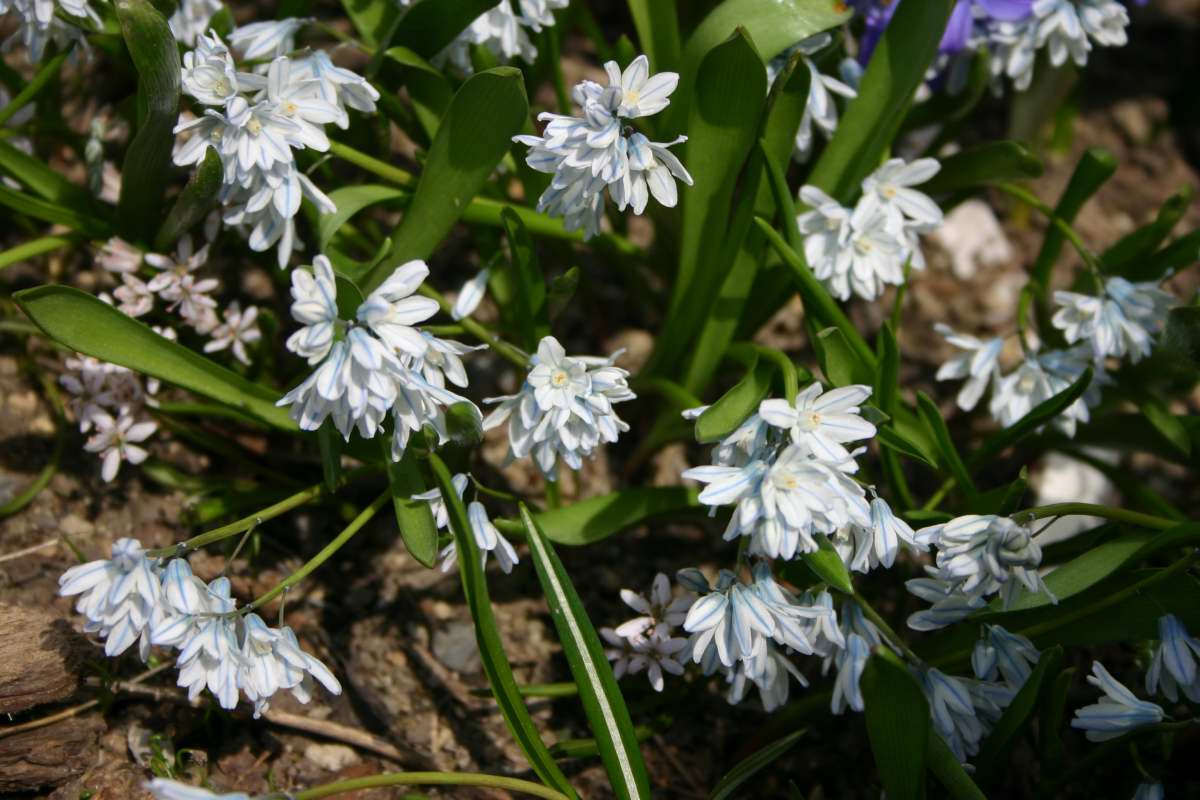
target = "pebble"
x: 456, y: 648
x: 75, y: 525
x: 331, y: 757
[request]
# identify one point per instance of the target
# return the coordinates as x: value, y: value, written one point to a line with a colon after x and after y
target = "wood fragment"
x: 50, y: 755
x: 40, y: 658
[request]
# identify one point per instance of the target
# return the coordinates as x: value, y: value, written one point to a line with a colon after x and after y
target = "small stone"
x: 972, y: 237
x: 75, y: 525
x: 331, y: 757
x: 456, y: 648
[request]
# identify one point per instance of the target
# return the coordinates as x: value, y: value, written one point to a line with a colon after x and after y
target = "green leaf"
x: 1182, y: 333
x: 330, y: 442
x: 827, y: 565
x: 1094, y: 168
x: 887, y: 381
x: 731, y: 410
x: 561, y: 290
x: 428, y: 88
x: 84, y: 323
x: 994, y: 752
x: 519, y: 287
x: 839, y: 362
x: 949, y: 459
x: 413, y: 517
x: 893, y: 439
x: 602, y: 701
x: 1179, y: 253
x: 589, y: 521
x: 44, y: 75
x: 155, y: 53
x: 349, y: 201
x: 464, y: 424
x: 428, y: 28
x: 491, y: 650
x: 945, y: 108
x: 1052, y: 711
x: 897, y: 68
x: 897, y: 723
x: 774, y: 25
x: 43, y: 181
x: 752, y: 765
x: 657, y: 27
x: 945, y: 767
x: 994, y: 162
x: 47, y: 211
x: 463, y: 155
x: 817, y: 301
x: 730, y: 97
x: 1123, y: 257
x: 193, y: 203
x: 1167, y: 424
x: 1041, y: 414
x: 372, y: 18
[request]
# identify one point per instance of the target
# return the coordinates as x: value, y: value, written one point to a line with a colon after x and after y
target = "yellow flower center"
x: 559, y: 379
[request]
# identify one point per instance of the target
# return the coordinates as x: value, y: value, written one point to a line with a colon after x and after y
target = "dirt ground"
x: 399, y: 636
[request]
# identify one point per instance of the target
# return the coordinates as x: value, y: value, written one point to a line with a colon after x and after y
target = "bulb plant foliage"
x: 377, y: 239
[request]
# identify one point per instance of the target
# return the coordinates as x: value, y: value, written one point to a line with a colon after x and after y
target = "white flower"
x: 267, y: 39
x: 191, y: 19
x: 863, y: 549
x: 1118, y: 712
x: 1120, y: 322
x: 470, y: 295
x: 564, y: 409
x: 770, y: 672
x: 238, y: 329
x: 821, y: 422
x: 1173, y: 668
x: 502, y: 31
x: 642, y: 94
x: 209, y: 655
x: 653, y: 170
x: 118, y: 255
x: 209, y: 74
x: 391, y: 311
x: 172, y: 270
x: 271, y: 659
x: 820, y: 108
x: 134, y: 296
x: 659, y: 609
x: 487, y: 538
x: 1002, y: 654
x: 437, y: 504
x: 314, y: 306
x: 1149, y: 791
x: 164, y: 789
x: 258, y: 137
x: 657, y: 654
x: 355, y: 384
x: 336, y: 85
x: 953, y: 711
x: 118, y: 596
x: 978, y: 363
x: 891, y: 188
x: 1035, y: 381
x: 857, y: 252
x: 295, y: 98
x: 851, y: 661
x: 948, y: 604
x: 117, y: 440
x: 442, y: 361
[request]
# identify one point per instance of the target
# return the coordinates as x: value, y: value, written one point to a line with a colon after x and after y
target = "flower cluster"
x: 255, y: 123
x: 109, y: 402
x: 597, y: 151
x: 648, y: 642
x: 1117, y: 712
x: 1116, y: 324
x: 487, y: 537
x: 191, y: 19
x: 820, y: 108
x: 504, y: 31
x: 977, y: 556
x: 376, y: 364
x: 564, y: 409
x: 38, y: 23
x: 863, y: 250
x: 134, y: 597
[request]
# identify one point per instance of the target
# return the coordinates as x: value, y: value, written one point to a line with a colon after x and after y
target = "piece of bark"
x: 49, y: 756
x: 40, y: 658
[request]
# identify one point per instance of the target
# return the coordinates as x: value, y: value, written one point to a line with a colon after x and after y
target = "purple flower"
x: 958, y: 29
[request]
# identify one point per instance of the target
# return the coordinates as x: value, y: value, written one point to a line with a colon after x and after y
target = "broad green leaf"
x: 896, y: 70
x: 1123, y: 257
x: 330, y: 443
x: 949, y: 458
x: 519, y: 286
x: 43, y: 181
x: 730, y: 97
x: 84, y: 323
x: 464, y: 425
x: 827, y: 565
x: 561, y: 291
x: 887, y: 381
x: 155, y: 53
x: 47, y: 73
x: 994, y: 162
x: 602, y: 701
x: 945, y: 767
x: 349, y: 201
x: 427, y: 28
x: 993, y: 753
x: 1094, y: 168
x: 731, y: 410
x: 463, y: 155
x: 413, y: 517
x: 193, y: 203
x: 752, y: 765
x: 596, y: 518
x: 1134, y: 433
x: 1180, y: 253
x: 372, y: 18
x: 897, y: 723
x: 1167, y: 424
x: 428, y: 88
x: 893, y: 439
x: 841, y: 365
x: 1051, y: 712
x: 48, y: 211
x: 1182, y: 334
x: 657, y: 27
x: 774, y: 25
x: 1043, y: 413
x: 491, y: 650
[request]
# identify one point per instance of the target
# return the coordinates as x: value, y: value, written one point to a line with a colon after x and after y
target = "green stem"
x: 430, y: 779
x: 791, y: 379
x: 44, y: 75
x: 667, y: 389
x: 481, y: 333
x: 870, y: 613
x: 548, y: 690
x: 327, y: 551
x: 372, y: 164
x: 37, y: 247
x: 1064, y: 227
x: 257, y: 518
x: 1095, y: 510
x: 553, y: 498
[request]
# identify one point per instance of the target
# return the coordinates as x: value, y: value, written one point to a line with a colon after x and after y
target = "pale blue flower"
x: 1002, y: 654
x: 851, y: 661
x: 1173, y: 667
x: 1117, y: 713
x: 164, y: 789
x: 1149, y: 791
